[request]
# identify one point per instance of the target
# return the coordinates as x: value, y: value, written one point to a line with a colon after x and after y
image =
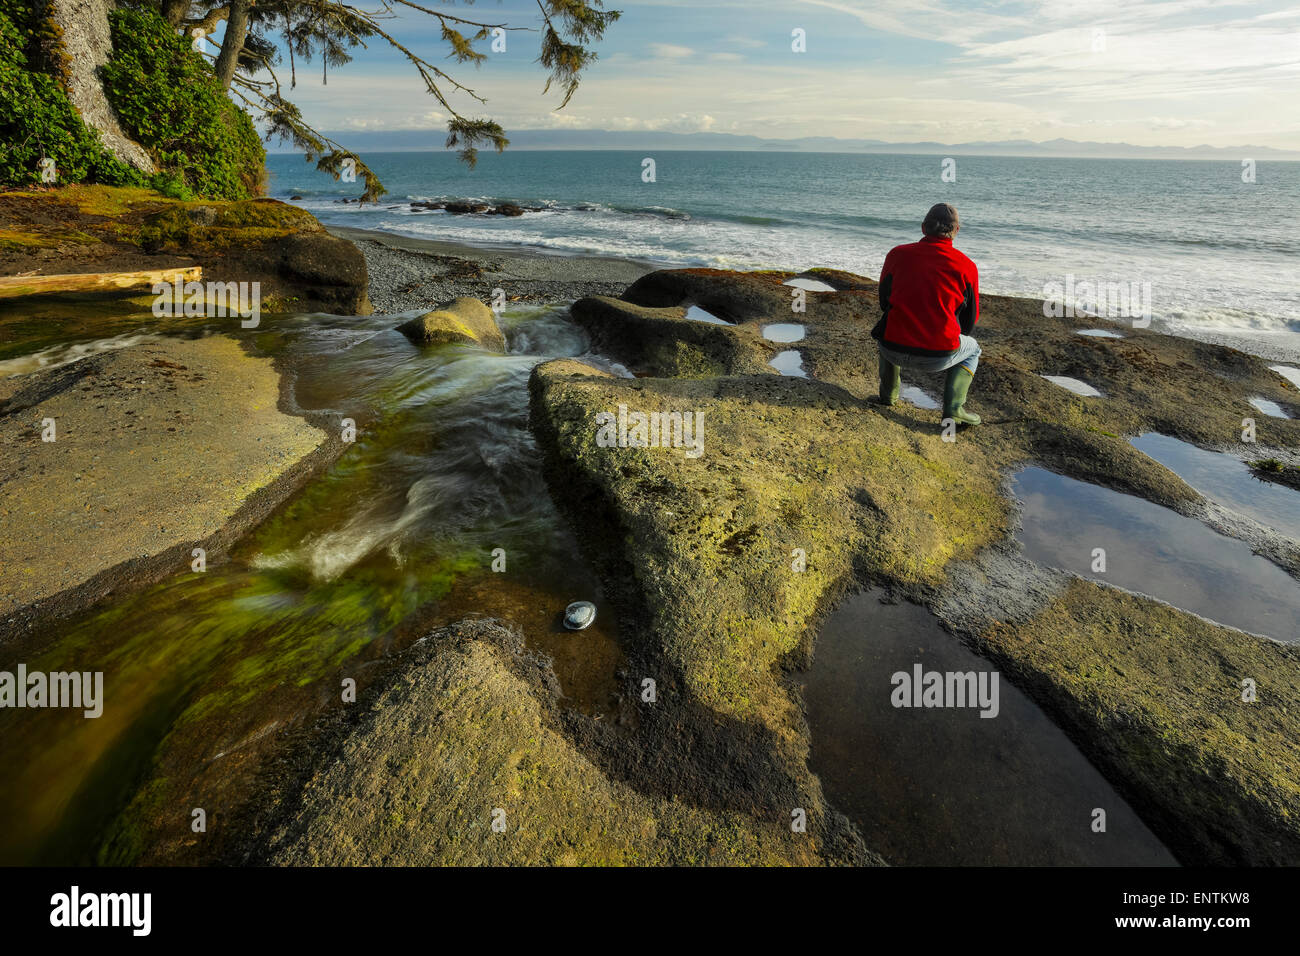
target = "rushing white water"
x: 59, y: 355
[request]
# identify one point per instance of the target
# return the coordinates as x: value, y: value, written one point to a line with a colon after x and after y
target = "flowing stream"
x: 203, y: 671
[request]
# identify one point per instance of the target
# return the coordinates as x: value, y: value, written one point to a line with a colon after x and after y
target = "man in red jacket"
x: 929, y: 297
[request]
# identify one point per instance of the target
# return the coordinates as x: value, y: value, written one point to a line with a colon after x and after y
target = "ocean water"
x: 1220, y: 255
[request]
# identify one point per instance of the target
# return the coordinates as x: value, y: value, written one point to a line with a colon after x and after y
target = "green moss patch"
x: 1154, y: 696
x: 467, y: 735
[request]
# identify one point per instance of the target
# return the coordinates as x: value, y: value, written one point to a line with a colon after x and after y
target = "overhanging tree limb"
x: 330, y: 29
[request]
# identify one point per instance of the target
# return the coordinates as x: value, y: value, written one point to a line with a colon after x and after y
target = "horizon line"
x: 1060, y: 145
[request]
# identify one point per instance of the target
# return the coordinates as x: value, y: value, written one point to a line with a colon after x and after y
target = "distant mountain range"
x: 527, y: 139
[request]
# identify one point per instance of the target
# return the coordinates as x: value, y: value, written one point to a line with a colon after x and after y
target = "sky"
x: 1145, y: 72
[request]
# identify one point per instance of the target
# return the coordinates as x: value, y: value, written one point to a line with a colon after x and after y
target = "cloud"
x: 946, y: 22
x: 1177, y: 122
x: 1109, y: 50
x: 670, y: 51
x: 430, y: 119
x: 1172, y: 72
x: 681, y: 123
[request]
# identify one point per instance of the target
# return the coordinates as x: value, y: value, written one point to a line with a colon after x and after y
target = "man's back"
x: 929, y: 293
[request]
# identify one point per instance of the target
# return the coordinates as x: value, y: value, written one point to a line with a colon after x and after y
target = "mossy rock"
x: 788, y: 465
x: 699, y: 553
x: 662, y: 341
x: 211, y: 227
x: 464, y: 759
x: 300, y: 266
x: 461, y: 320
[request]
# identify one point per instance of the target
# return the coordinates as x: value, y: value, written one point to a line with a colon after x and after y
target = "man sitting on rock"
x: 929, y: 294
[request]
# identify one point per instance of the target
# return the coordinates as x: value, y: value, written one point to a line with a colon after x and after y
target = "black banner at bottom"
x: 337, y: 906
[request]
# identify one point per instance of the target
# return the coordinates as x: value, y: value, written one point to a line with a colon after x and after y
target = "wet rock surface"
x: 461, y: 320
x: 157, y: 449
x: 409, y: 274
x: 666, y: 342
x: 721, y: 556
x: 728, y: 561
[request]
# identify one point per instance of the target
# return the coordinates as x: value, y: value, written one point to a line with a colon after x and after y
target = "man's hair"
x: 940, y: 221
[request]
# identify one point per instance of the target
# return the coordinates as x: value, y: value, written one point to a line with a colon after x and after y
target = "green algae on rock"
x: 726, y: 562
x: 461, y: 320
x: 477, y: 768
x: 665, y: 342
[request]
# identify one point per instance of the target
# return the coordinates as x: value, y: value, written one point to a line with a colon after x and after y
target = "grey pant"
x: 967, y: 355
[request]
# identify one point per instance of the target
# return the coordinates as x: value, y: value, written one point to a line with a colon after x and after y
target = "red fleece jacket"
x: 929, y: 294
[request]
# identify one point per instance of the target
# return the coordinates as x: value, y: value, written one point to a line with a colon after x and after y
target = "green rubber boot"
x: 891, y: 380
x: 955, y: 387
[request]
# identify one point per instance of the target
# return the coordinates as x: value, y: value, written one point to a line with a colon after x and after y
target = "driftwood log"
x: 95, y: 282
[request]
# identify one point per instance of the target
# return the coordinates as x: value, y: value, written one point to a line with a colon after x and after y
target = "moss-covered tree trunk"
x: 88, y: 44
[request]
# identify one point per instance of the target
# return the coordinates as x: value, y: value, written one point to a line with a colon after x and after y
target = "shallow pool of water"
x: 1226, y: 479
x: 809, y: 285
x: 696, y: 314
x: 944, y: 786
x: 918, y: 397
x: 1098, y: 333
x: 1289, y: 373
x: 1272, y: 409
x: 789, y: 362
x: 1074, y: 385
x: 1155, y: 551
x: 784, y: 332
